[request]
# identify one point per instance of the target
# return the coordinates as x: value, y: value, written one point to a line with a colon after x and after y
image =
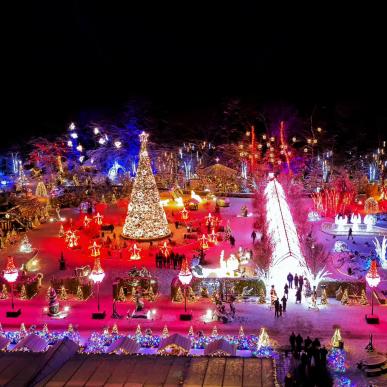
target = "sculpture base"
x: 146, y: 239
x: 13, y: 313
x: 186, y: 317
x: 98, y: 315
x: 372, y: 319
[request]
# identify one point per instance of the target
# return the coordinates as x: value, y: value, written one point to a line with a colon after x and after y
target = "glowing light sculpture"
x: 286, y: 256
x: 184, y: 214
x: 146, y: 219
x: 341, y: 222
x: 381, y: 251
x: 135, y: 253
x: 355, y: 220
x: 98, y: 219
x: 10, y: 275
x: 95, y: 249
x: 25, y: 246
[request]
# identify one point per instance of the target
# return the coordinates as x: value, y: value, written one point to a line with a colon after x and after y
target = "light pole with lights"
x: 97, y: 275
x: 373, y: 280
x: 10, y: 274
x: 185, y: 277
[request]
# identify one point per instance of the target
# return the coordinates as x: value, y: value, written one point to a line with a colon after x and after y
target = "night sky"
x: 82, y: 59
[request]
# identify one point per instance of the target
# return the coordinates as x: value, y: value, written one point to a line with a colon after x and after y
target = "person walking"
x: 350, y: 236
x: 296, y: 281
x: 276, y: 308
x: 298, y: 296
x: 232, y: 241
x: 307, y: 342
x: 286, y: 290
x: 290, y: 280
x: 300, y: 281
x: 284, y: 301
x: 253, y: 236
x: 292, y: 341
x: 299, y: 341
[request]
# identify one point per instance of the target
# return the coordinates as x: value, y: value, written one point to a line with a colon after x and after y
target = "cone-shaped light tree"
x: 146, y: 219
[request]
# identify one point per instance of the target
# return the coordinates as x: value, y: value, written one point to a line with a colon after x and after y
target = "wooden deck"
x: 19, y: 369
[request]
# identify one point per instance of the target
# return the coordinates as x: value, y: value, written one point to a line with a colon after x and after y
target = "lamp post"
x: 185, y: 277
x: 97, y: 275
x: 373, y: 280
x: 10, y: 274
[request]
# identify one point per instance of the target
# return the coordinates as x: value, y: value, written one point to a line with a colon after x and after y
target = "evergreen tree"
x: 151, y: 294
x: 214, y: 332
x: 146, y: 218
x: 165, y: 332
x: 363, y: 298
x: 63, y: 293
x: 345, y: 299
x: 80, y: 293
x: 179, y: 295
x: 115, y: 330
x: 23, y: 293
x: 262, y: 296
x: 324, y: 297
x: 138, y: 331
x: 121, y: 295
x: 4, y: 292
x: 191, y: 332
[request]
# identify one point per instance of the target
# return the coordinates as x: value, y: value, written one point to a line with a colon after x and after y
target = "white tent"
x: 175, y: 345
x: 124, y: 345
x: 220, y: 347
x: 32, y: 343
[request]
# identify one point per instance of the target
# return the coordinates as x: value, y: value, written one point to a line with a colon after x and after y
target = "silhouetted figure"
x: 298, y: 296
x: 296, y: 281
x: 276, y: 308
x: 307, y: 342
x: 286, y: 290
x: 284, y: 301
x: 253, y: 236
x: 300, y: 281
x: 290, y: 280
x: 299, y: 341
x: 62, y: 262
x: 292, y: 340
x: 350, y: 236
x: 232, y: 241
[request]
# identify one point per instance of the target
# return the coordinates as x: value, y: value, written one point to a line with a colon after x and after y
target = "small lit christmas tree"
x: 214, y: 332
x: 41, y: 190
x: 22, y: 330
x: 345, y: 299
x: 79, y: 292
x: 363, y: 298
x: 151, y: 294
x: 25, y: 245
x: 263, y: 339
x: 23, y: 293
x: 336, y: 360
x: 324, y: 297
x: 336, y: 338
x: 103, y: 200
x: 45, y: 329
x: 191, y: 332
x: 53, y: 304
x: 262, y: 296
x: 4, y: 292
x: 227, y: 231
x: 63, y: 294
x: 138, y: 332
x: 165, y: 332
x: 70, y: 328
x: 241, y: 332
x: 121, y: 295
x: 179, y: 295
x: 115, y: 330
x: 146, y: 219
x: 191, y: 295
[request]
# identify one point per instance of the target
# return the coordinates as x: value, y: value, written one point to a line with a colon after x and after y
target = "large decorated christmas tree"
x: 146, y: 219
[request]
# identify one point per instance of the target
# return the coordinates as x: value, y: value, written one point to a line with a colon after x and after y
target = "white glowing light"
x: 81, y: 158
x: 66, y: 308
x: 102, y: 141
x: 164, y: 202
x: 286, y: 256
x: 381, y: 251
x: 179, y: 202
x: 96, y: 130
x: 69, y: 143
x: 79, y: 148
x: 196, y: 197
x: 73, y: 135
x: 72, y: 126
x: 117, y: 144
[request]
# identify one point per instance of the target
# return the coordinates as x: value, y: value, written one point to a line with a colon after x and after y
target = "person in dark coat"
x: 316, y: 343
x: 296, y: 281
x: 299, y: 341
x: 232, y: 241
x: 276, y: 308
x: 350, y: 236
x: 253, y: 236
x: 286, y: 290
x: 290, y: 280
x: 300, y: 281
x: 284, y: 301
x: 323, y: 356
x: 298, y: 296
x: 307, y: 342
x: 292, y: 340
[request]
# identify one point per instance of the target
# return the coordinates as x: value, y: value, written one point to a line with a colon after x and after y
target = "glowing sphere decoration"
x: 373, y: 277
x: 185, y: 275
x: 11, y: 273
x: 97, y: 274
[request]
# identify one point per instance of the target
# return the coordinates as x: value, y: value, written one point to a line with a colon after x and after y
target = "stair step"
x: 373, y: 371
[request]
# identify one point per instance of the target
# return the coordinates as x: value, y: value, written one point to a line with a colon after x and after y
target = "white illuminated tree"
x: 146, y: 219
x: 381, y: 250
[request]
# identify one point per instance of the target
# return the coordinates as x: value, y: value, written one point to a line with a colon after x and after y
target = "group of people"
x: 310, y: 359
x: 279, y: 305
x: 299, y: 282
x: 172, y: 260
